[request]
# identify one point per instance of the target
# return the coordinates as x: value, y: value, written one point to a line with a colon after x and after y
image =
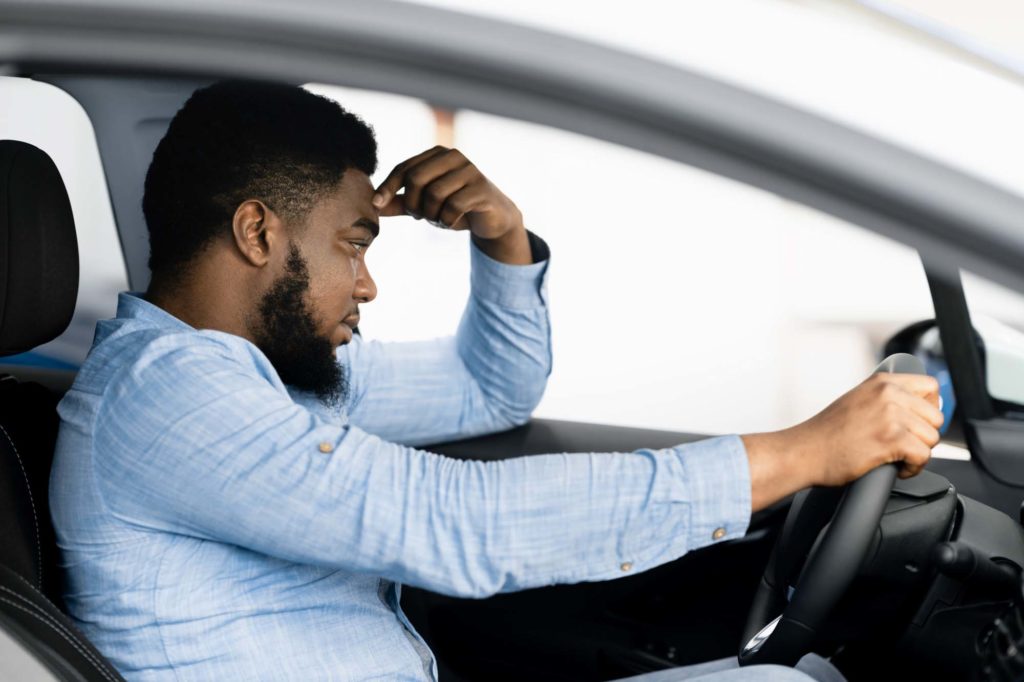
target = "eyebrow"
x: 367, y: 224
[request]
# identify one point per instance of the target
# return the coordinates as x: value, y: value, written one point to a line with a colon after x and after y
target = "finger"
x: 396, y: 206
x: 914, y: 455
x: 918, y: 384
x: 421, y: 174
x: 920, y: 406
x: 389, y: 188
x: 393, y: 182
x: 436, y: 193
x: 453, y: 214
x: 927, y: 410
x: 922, y: 430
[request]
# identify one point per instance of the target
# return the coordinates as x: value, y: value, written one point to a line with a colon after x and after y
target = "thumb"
x: 394, y: 207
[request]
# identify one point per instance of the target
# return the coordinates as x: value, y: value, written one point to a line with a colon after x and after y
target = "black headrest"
x: 38, y: 249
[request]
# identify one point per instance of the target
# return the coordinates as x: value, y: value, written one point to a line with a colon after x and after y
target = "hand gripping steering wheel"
x: 832, y: 561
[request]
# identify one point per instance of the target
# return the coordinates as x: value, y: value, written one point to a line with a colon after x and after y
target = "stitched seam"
x: 49, y: 621
x: 87, y: 653
x: 35, y: 516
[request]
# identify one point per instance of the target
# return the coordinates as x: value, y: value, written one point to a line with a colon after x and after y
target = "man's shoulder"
x: 125, y: 349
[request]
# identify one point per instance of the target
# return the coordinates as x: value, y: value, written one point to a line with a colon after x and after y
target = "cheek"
x: 332, y: 294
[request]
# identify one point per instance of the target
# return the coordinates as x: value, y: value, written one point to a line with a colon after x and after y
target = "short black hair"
x: 239, y: 140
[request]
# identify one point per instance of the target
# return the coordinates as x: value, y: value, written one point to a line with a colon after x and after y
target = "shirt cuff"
x: 717, y: 481
x: 511, y: 286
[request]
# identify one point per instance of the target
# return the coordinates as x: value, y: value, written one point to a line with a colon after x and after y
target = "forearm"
x: 475, y: 529
x: 775, y: 462
x: 504, y: 337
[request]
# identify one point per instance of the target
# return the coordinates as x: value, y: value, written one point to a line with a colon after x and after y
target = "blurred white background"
x: 679, y: 299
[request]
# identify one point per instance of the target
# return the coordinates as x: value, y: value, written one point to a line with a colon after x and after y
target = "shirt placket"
x: 390, y: 595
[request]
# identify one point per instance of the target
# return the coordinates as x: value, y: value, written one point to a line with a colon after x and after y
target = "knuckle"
x: 879, y: 378
x: 888, y: 391
x: 892, y: 431
x: 457, y: 203
x: 891, y: 411
x: 416, y: 176
x: 433, y: 193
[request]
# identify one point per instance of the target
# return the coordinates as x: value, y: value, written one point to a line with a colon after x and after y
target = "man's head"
x: 258, y: 203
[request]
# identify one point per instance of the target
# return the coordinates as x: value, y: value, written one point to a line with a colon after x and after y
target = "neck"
x: 206, y: 298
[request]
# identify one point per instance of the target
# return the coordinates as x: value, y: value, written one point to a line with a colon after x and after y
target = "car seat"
x: 38, y: 289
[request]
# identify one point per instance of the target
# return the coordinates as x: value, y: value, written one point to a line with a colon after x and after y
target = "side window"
x: 47, y: 117
x: 997, y: 314
x: 679, y: 299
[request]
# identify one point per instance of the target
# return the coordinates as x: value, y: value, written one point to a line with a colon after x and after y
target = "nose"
x: 365, y: 289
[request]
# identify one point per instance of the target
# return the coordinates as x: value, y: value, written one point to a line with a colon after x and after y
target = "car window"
x: 47, y: 117
x: 997, y: 314
x: 679, y: 299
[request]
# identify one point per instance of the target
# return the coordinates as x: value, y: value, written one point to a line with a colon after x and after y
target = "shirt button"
x: 326, y: 447
x: 718, y: 534
x: 626, y: 566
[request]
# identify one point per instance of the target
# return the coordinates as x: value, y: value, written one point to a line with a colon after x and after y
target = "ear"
x: 256, y: 230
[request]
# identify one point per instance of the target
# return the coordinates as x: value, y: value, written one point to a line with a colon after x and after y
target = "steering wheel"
x: 833, y: 558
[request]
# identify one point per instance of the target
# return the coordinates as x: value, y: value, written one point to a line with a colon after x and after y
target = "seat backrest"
x: 38, y: 288
x: 28, y: 430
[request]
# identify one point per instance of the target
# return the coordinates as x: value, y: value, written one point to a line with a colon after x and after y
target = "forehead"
x: 349, y: 201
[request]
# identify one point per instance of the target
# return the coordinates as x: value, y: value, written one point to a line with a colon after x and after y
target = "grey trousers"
x: 810, y: 668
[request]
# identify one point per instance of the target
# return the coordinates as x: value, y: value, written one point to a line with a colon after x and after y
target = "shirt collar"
x: 131, y: 305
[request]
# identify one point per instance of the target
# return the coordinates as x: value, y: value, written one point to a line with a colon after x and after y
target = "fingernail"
x: 378, y: 200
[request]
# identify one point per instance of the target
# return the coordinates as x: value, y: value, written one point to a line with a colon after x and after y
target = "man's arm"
x: 486, y: 378
x: 493, y: 373
x: 192, y: 440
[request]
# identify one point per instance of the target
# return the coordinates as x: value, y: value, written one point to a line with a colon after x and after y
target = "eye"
x: 360, y: 247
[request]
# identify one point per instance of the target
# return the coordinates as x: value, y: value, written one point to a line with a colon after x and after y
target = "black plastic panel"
x: 974, y: 482
x: 542, y: 436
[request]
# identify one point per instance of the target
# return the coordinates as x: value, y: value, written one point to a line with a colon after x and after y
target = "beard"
x: 285, y: 330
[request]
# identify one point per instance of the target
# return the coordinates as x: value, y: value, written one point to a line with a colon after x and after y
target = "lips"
x: 351, y: 321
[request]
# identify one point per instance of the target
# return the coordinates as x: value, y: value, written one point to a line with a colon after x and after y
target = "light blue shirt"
x: 216, y: 526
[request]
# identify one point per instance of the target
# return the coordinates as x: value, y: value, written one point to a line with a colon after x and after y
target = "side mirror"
x: 1000, y: 348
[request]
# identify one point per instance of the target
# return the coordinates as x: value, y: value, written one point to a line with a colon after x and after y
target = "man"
x: 229, y: 491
